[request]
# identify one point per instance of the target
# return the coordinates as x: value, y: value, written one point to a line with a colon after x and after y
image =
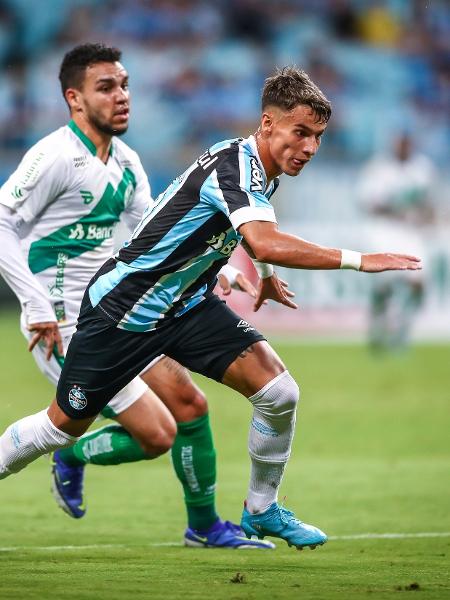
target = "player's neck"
x: 270, y: 167
x: 101, y: 140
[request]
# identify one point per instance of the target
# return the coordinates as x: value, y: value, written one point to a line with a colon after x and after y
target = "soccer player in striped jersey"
x: 155, y: 296
x: 58, y: 212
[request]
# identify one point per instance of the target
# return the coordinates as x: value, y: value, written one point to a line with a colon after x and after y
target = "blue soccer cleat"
x: 278, y: 522
x: 67, y: 487
x: 223, y: 534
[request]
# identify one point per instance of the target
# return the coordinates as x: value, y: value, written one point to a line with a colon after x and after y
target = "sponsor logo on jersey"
x: 91, y: 232
x: 57, y: 289
x: 77, y: 232
x: 244, y: 325
x: 217, y: 242
x: 87, y: 196
x: 128, y: 194
x: 77, y: 399
x: 256, y: 177
x: 60, y: 311
x: 31, y: 174
x: 80, y: 161
x: 126, y: 163
x: 206, y: 160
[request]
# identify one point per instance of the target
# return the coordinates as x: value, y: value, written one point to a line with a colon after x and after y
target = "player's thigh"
x: 253, y: 368
x: 149, y: 421
x: 173, y: 384
x: 100, y: 361
x: 219, y: 344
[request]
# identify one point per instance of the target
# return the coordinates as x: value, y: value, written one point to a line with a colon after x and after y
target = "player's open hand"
x: 374, y: 263
x: 49, y: 333
x: 272, y: 288
x: 234, y: 279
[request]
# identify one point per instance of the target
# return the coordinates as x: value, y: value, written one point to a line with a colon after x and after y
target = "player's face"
x: 293, y: 137
x: 105, y: 98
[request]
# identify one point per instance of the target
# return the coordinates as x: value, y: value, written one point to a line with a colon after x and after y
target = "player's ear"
x: 72, y: 97
x: 266, y: 123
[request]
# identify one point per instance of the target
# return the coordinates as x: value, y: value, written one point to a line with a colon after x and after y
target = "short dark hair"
x: 291, y: 86
x: 75, y: 62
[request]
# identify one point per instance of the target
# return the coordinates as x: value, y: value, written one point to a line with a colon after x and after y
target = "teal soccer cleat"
x: 278, y: 522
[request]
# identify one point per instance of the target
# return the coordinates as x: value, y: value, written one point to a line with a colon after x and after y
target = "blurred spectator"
x: 396, y: 192
x: 198, y: 67
x: 379, y: 25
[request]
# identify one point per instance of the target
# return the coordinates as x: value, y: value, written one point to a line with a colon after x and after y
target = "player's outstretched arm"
x: 17, y: 274
x: 270, y: 245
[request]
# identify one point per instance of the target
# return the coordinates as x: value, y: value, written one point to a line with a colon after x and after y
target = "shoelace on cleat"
x: 287, y: 516
x: 236, y: 529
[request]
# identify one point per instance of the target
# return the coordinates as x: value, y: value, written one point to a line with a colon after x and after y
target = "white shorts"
x: 52, y: 370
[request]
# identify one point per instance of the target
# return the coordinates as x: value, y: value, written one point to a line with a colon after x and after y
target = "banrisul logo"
x: 77, y: 399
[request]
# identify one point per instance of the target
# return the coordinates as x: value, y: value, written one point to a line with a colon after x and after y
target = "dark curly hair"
x: 73, y: 66
x: 290, y: 87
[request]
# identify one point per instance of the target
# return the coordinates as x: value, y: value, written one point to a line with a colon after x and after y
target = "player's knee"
x: 158, y: 440
x: 279, y: 398
x: 159, y: 443
x: 192, y: 405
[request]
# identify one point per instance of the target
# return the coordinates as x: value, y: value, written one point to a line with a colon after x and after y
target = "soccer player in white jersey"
x: 58, y: 212
x: 156, y: 295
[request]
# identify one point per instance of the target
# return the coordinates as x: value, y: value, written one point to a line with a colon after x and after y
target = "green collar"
x: 84, y: 138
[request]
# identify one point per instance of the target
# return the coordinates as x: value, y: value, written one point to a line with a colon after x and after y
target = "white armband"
x: 350, y: 260
x: 264, y: 270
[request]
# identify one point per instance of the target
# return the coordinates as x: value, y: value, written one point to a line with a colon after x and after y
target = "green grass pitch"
x: 371, y: 455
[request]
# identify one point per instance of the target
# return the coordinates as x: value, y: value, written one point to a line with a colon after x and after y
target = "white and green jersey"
x: 66, y: 203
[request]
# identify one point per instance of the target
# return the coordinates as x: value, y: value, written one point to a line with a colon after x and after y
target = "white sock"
x: 270, y: 439
x: 27, y: 439
x: 265, y: 479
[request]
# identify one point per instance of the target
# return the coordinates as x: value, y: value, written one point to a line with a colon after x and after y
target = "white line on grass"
x: 357, y: 536
x: 389, y: 536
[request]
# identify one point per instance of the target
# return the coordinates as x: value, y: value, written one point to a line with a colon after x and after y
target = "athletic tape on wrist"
x: 264, y: 270
x: 350, y: 259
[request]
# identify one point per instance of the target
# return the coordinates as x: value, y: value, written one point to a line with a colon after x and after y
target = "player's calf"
x: 270, y: 439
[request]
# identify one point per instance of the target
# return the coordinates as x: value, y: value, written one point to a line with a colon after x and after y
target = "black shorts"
x: 102, y: 358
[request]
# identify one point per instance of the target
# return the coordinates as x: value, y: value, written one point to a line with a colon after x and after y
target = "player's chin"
x: 292, y: 171
x: 120, y: 129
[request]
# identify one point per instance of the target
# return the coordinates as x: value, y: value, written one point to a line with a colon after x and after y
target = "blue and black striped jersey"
x: 171, y: 262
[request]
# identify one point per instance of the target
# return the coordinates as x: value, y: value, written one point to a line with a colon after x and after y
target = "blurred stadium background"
x: 196, y: 70
x: 371, y: 453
